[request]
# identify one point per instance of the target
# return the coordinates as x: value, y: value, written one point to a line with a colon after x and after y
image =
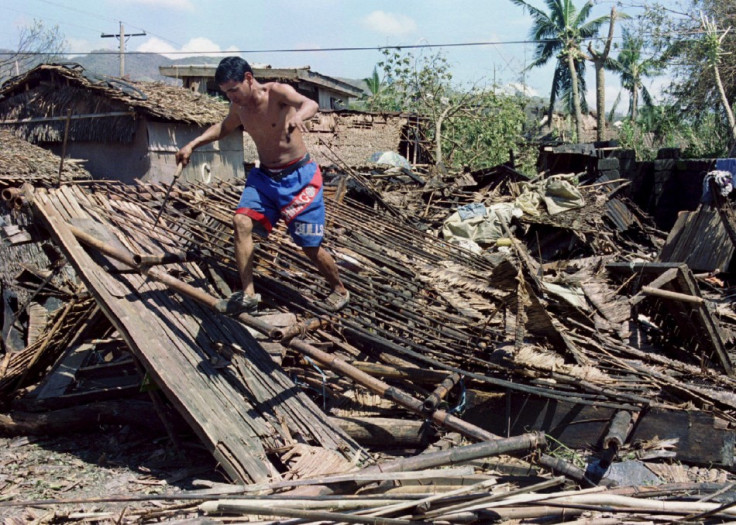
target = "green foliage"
x: 476, y: 127
x: 633, y: 67
x: 485, y: 138
x: 560, y: 32
x: 663, y: 127
x: 685, y: 38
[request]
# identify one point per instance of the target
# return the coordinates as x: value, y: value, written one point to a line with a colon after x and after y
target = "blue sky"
x: 192, y: 26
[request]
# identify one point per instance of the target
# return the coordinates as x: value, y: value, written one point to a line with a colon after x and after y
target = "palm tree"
x: 633, y: 69
x: 374, y: 82
x: 559, y: 34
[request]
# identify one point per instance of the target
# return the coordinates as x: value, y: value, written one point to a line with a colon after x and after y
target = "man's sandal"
x: 238, y: 303
x: 337, y: 301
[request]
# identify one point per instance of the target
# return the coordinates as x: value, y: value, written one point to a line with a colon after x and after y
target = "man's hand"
x: 183, y: 155
x: 295, y: 122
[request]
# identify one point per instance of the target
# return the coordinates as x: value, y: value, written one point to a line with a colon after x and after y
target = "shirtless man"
x: 287, y: 185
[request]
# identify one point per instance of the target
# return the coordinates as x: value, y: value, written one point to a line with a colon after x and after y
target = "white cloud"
x: 201, y: 44
x: 81, y: 46
x: 195, y: 46
x: 156, y: 45
x: 389, y: 24
x: 518, y: 87
x: 177, y: 5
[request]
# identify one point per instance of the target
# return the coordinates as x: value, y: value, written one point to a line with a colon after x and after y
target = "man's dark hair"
x: 231, y: 68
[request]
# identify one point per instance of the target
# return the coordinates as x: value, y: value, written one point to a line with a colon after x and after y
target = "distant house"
x: 329, y: 92
x: 121, y: 130
x: 350, y: 137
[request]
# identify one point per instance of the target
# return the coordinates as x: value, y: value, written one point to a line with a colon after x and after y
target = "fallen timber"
x: 439, y: 416
x: 237, y: 448
x: 439, y: 337
x: 417, y: 327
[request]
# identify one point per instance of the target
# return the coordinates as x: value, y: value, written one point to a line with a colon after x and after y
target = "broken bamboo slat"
x: 425, y: 502
x: 474, y: 504
x: 440, y: 417
x: 265, y: 508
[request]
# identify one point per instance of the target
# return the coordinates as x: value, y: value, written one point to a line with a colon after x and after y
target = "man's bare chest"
x: 261, y: 120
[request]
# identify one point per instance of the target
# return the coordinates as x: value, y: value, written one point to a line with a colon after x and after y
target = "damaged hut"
x: 122, y: 130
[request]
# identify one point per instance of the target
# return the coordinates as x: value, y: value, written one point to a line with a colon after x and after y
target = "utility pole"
x: 122, y: 37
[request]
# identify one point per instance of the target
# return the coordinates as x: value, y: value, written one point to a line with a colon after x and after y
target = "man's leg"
x: 328, y: 268
x: 243, y: 227
x: 245, y: 300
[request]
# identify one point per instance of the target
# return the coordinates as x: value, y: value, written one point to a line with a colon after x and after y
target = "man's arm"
x: 305, y: 108
x: 211, y: 134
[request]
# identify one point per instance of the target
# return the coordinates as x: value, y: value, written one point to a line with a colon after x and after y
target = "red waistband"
x: 284, y: 166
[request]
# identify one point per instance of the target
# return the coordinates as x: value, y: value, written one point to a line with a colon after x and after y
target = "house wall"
x: 329, y: 99
x: 150, y: 155
x: 220, y: 160
x: 112, y: 161
x: 346, y: 138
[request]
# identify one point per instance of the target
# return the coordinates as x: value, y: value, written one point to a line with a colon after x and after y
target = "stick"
x: 179, y: 167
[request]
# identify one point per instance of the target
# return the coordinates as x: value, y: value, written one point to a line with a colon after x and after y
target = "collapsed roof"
x: 497, y: 343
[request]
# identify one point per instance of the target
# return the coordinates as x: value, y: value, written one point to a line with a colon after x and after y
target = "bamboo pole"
x: 172, y: 282
x: 443, y: 511
x: 521, y: 444
x: 377, y: 386
x: 261, y: 509
x: 439, y: 416
x: 425, y: 502
x: 675, y: 296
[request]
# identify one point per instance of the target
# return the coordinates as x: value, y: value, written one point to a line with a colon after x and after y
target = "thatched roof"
x: 101, y: 109
x: 22, y: 161
x: 155, y: 99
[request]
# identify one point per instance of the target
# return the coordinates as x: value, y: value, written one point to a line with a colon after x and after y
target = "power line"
x: 352, y: 48
x: 123, y: 38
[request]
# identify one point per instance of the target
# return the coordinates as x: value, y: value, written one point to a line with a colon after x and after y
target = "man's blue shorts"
x: 296, y: 197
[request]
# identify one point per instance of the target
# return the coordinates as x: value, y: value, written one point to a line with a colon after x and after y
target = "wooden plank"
x: 700, y: 239
x: 240, y: 452
x: 693, y: 321
x: 175, y: 338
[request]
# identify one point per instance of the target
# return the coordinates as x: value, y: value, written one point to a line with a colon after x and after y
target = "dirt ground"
x: 57, y: 479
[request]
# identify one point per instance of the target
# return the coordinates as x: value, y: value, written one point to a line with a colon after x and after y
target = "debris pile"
x: 553, y: 367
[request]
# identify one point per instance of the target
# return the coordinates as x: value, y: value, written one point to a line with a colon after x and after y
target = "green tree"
x: 677, y: 32
x: 713, y: 50
x: 633, y: 68
x: 36, y: 44
x: 466, y: 127
x: 374, y: 82
x: 559, y: 34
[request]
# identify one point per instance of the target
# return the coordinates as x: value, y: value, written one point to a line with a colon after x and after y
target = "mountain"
x: 139, y: 67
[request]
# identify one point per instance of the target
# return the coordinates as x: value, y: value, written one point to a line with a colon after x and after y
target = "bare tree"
x: 601, y: 61
x: 36, y: 44
x: 713, y: 53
